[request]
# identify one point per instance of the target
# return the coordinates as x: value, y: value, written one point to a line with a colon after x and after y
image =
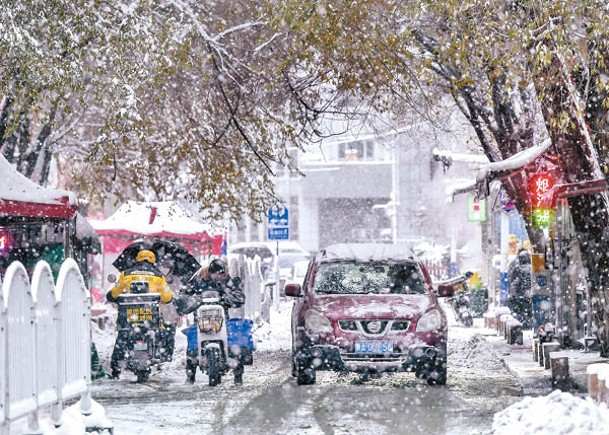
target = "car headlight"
x: 429, y: 321
x: 317, y: 323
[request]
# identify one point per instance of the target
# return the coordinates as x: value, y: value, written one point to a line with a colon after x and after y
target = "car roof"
x: 287, y: 246
x: 250, y: 249
x: 366, y: 252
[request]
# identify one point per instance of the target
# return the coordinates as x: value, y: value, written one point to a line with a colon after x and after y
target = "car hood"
x: 371, y: 306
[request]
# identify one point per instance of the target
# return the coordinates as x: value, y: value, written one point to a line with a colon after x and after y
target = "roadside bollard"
x: 602, y: 376
x: 499, y: 313
x: 560, y: 373
x: 546, y: 348
x: 592, y: 377
x: 502, y: 323
x: 489, y: 320
x: 535, y: 349
x: 516, y: 335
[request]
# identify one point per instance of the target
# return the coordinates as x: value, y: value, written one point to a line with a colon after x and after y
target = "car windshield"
x: 364, y: 278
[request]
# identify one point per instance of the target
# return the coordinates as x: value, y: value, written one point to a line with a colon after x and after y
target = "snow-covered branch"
x: 238, y: 28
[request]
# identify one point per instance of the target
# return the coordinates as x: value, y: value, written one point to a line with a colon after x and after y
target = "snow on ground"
x: 557, y: 413
x: 277, y: 334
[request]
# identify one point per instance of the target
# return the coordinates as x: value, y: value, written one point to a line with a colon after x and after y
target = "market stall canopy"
x: 155, y: 219
x: 20, y: 196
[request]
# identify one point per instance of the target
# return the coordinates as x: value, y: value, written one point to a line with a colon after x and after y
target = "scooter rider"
x: 214, y: 277
x: 144, y: 265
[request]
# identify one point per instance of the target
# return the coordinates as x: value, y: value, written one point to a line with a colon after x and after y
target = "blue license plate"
x: 373, y: 346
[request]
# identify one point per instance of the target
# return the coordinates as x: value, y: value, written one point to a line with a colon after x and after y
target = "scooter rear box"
x: 240, y: 333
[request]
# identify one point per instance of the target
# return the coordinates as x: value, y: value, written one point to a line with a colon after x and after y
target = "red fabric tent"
x: 21, y: 197
x: 168, y: 220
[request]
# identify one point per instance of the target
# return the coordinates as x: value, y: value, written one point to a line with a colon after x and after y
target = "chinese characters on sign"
x: 540, y: 190
x: 278, y: 224
x: 542, y: 217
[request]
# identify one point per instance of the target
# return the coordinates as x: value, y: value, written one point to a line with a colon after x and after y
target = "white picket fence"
x: 45, y: 344
x: 257, y: 294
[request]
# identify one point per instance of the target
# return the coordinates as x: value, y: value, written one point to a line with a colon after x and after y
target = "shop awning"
x: 19, y: 196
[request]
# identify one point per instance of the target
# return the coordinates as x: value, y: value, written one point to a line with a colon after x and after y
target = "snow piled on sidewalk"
x: 476, y: 352
x: 276, y: 334
x: 558, y: 413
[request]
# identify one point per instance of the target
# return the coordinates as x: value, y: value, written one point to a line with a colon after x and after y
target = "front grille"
x: 347, y: 325
x: 364, y: 326
x: 400, y: 325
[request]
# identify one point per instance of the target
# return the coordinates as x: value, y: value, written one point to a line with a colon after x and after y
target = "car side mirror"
x: 445, y: 290
x: 111, y: 278
x: 293, y: 290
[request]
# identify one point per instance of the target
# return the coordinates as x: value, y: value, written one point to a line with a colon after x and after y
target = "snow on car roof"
x: 366, y: 252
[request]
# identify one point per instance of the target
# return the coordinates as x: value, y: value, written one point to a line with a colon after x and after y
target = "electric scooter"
x: 460, y: 301
x: 217, y: 344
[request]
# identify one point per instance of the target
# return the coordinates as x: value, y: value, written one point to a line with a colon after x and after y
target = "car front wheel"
x: 438, y: 375
x: 305, y: 376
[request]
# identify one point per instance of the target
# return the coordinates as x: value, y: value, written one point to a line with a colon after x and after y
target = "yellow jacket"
x: 156, y: 284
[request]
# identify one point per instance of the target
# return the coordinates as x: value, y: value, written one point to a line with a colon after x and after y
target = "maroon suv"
x: 368, y: 308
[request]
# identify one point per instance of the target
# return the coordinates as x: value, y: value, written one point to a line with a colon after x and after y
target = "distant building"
x: 376, y: 187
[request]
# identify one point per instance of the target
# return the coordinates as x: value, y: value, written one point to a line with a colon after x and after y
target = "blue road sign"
x: 278, y: 216
x: 279, y: 233
x: 279, y: 223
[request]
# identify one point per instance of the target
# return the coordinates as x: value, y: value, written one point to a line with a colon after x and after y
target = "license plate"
x: 140, y: 345
x: 363, y: 346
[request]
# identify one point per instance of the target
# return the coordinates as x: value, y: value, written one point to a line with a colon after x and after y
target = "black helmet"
x: 217, y: 266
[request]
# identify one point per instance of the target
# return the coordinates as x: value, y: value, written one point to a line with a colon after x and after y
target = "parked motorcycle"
x: 217, y: 344
x: 460, y: 302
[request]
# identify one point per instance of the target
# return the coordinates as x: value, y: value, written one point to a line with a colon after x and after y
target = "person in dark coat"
x: 519, y: 279
x: 214, y: 277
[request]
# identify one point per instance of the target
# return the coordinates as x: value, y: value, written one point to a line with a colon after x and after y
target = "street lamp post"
x: 395, y: 193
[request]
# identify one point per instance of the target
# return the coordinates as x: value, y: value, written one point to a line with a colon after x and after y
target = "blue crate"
x: 191, y: 336
x: 240, y: 333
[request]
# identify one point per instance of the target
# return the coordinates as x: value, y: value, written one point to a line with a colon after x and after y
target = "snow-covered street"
x: 269, y: 401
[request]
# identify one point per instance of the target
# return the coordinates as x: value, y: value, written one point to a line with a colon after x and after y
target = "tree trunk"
x: 578, y: 162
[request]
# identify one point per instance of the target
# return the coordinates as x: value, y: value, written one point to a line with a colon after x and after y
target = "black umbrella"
x: 176, y: 257
x: 171, y: 255
x: 126, y: 259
